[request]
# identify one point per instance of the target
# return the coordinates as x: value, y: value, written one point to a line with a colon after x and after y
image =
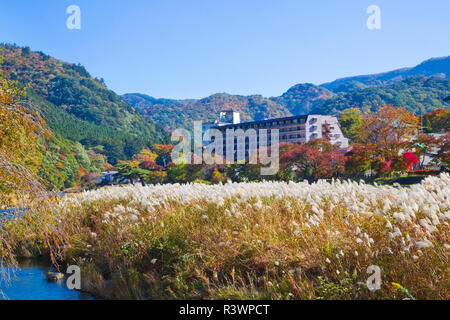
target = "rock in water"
x: 54, y: 276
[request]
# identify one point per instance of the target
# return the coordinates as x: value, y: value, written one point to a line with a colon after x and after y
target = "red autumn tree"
x: 359, y: 159
x: 410, y: 160
x: 314, y: 160
x: 150, y: 165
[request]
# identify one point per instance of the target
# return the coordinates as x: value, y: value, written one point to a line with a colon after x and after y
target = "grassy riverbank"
x: 250, y: 241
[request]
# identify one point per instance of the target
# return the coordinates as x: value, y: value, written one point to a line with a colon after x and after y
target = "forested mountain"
x: 77, y: 106
x: 171, y: 114
x: 303, y: 98
x: 90, y: 125
x: 436, y: 67
x: 417, y: 94
x: 181, y: 113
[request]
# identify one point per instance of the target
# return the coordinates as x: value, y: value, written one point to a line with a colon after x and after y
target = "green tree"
x: 177, y: 173
x: 427, y: 124
x: 350, y: 121
x: 156, y: 177
x: 128, y: 171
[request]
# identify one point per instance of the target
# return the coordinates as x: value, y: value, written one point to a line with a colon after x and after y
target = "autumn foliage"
x: 313, y: 160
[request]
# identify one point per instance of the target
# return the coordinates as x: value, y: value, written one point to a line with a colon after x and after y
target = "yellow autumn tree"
x: 21, y: 195
x: 388, y: 129
x: 21, y: 129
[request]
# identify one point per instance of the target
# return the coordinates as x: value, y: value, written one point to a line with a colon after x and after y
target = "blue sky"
x: 194, y: 48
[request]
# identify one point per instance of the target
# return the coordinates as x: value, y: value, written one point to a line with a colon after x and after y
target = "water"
x: 29, y: 283
x: 9, y: 214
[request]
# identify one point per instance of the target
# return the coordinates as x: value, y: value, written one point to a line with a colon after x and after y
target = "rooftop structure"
x: 229, y: 117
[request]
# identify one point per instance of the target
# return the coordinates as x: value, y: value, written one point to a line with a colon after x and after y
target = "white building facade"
x: 295, y: 129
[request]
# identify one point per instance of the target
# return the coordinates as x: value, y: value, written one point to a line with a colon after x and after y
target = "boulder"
x: 54, y: 276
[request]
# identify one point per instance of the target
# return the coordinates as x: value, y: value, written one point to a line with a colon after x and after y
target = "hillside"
x: 435, y: 67
x: 90, y: 125
x: 77, y: 106
x: 181, y: 113
x: 303, y: 98
x: 418, y: 95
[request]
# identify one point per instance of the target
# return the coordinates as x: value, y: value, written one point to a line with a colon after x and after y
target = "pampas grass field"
x: 268, y: 240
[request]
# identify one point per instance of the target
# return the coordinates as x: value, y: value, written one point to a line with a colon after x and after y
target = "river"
x: 29, y: 283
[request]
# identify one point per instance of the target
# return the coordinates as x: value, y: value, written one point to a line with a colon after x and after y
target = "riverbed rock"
x: 54, y: 276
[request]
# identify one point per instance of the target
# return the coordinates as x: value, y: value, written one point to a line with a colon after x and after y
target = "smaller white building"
x: 229, y: 117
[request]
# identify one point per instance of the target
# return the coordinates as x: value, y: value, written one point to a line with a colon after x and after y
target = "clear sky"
x: 194, y: 48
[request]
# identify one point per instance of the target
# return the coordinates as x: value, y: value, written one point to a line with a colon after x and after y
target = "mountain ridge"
x: 425, y: 68
x: 303, y: 97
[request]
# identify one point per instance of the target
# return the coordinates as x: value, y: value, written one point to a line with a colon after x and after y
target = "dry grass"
x: 253, y: 241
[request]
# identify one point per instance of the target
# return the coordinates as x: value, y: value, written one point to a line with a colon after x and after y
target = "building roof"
x: 438, y: 134
x: 262, y: 121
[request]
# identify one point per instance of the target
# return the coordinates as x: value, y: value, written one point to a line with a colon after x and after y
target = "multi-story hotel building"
x: 295, y: 129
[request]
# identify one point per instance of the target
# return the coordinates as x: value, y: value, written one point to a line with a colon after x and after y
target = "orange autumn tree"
x: 438, y: 120
x: 388, y: 129
x: 145, y: 155
x: 164, y: 153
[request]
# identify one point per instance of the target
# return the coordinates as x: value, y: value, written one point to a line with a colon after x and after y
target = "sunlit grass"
x: 267, y: 240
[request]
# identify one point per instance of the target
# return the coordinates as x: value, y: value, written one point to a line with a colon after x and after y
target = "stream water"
x: 28, y: 283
